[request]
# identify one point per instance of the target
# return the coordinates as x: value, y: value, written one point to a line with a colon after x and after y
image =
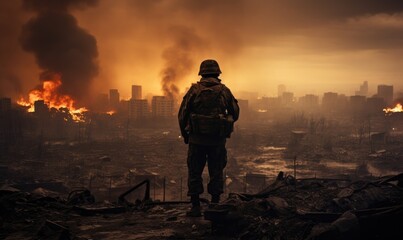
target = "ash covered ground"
x: 333, y: 176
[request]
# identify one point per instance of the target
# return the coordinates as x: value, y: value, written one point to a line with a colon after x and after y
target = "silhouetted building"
x: 5, y: 105
x: 398, y: 96
x: 162, y: 106
x: 385, y: 92
x: 287, y: 98
x: 136, y: 92
x: 266, y: 103
x: 280, y: 90
x: 309, y: 101
x: 138, y: 108
x: 263, y: 103
x: 114, y: 99
x: 40, y: 107
x: 375, y: 105
x: 342, y: 103
x: 329, y: 101
x: 273, y: 102
x: 357, y: 104
x: 363, y: 89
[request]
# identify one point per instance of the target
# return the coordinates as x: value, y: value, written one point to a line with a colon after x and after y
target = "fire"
x: 110, y: 113
x: 49, y: 95
x: 397, y: 108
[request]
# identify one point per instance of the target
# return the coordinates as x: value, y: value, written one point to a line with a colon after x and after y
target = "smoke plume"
x: 60, y: 45
x: 179, y: 60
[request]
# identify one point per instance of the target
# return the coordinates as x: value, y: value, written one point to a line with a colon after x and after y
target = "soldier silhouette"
x: 206, y: 118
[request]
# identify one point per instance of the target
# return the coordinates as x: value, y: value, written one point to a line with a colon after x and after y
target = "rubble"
x: 327, y: 210
x: 77, y: 186
x: 287, y: 208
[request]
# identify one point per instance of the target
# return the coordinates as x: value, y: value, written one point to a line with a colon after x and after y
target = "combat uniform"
x: 205, y: 148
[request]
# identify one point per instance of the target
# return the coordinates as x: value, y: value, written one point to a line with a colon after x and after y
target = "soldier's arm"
x: 184, y: 112
x: 232, y: 103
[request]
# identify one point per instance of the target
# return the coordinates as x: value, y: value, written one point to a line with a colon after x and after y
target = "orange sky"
x: 311, y: 46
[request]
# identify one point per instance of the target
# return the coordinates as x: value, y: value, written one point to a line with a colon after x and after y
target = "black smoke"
x: 179, y: 59
x: 60, y: 45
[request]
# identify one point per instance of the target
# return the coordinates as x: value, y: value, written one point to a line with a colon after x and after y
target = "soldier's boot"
x: 195, y: 211
x: 215, y: 198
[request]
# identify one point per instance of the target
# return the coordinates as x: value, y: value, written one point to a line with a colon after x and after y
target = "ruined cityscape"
x: 84, y: 158
x: 101, y: 153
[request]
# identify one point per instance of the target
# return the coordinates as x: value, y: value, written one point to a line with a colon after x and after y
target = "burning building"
x: 49, y: 93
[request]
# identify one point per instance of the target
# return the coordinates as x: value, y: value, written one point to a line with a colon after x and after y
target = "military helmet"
x: 209, y: 66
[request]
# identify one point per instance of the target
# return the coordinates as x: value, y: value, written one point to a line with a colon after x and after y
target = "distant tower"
x: 363, y: 89
x: 114, y: 98
x: 385, y: 92
x: 280, y: 90
x: 136, y: 92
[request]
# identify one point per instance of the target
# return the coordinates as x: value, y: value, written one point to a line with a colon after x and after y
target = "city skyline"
x: 309, y: 46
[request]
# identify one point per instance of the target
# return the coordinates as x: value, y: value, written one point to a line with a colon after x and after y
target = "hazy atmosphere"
x: 201, y: 119
x: 311, y: 46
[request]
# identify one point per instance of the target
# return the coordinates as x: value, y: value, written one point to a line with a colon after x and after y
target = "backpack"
x: 208, y: 115
x: 209, y: 101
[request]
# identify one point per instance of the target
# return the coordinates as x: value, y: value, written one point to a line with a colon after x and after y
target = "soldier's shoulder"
x: 225, y: 88
x: 194, y: 87
x: 192, y: 90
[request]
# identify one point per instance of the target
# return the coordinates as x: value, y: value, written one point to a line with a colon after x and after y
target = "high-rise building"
x: 138, y: 108
x: 309, y: 101
x: 114, y: 99
x: 263, y: 104
x: 357, y: 104
x: 162, y: 106
x: 287, y: 98
x: 363, y: 89
x: 136, y: 92
x: 385, y: 92
x: 375, y: 105
x: 329, y: 100
x: 280, y: 90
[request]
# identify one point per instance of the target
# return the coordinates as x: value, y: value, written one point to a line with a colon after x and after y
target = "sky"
x: 310, y: 46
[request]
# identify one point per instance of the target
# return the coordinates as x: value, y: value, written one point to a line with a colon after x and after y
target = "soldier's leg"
x: 196, y: 162
x: 217, y: 160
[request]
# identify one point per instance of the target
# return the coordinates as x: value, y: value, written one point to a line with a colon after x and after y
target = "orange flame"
x: 397, y: 108
x: 49, y: 94
x: 110, y: 113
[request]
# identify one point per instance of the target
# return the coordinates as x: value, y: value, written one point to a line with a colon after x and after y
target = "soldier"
x: 206, y: 118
